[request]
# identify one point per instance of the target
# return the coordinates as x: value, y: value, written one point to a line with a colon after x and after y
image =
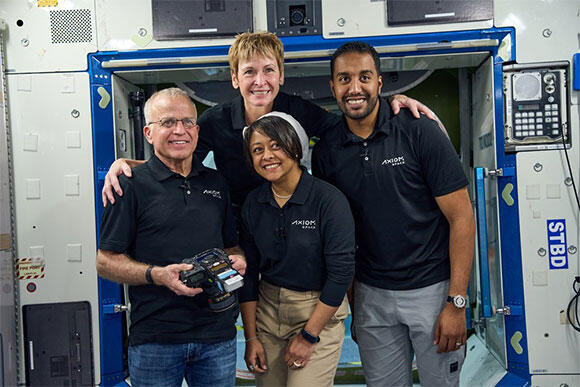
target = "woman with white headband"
x: 298, y: 235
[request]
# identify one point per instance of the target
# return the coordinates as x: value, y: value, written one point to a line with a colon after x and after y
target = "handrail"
x: 482, y: 241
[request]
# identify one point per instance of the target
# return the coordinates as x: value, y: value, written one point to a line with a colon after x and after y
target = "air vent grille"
x: 71, y: 26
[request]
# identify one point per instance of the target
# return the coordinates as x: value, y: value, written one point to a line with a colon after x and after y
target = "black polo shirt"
x: 306, y: 245
x: 390, y: 180
x: 161, y: 219
x: 221, y: 132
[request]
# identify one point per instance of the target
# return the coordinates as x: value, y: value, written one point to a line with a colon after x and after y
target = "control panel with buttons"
x: 535, y: 114
x: 294, y: 17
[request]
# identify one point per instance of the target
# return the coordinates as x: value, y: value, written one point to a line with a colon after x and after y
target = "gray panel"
x: 179, y: 19
x: 58, y: 344
x: 399, y: 12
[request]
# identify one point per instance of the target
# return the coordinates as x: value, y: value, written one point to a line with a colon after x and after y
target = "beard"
x: 361, y: 113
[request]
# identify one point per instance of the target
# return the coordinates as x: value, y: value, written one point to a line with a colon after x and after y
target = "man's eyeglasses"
x: 171, y: 122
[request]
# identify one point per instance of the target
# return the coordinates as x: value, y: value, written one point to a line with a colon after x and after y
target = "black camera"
x: 213, y: 272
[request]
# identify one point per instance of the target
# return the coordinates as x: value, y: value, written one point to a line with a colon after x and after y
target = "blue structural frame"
x: 110, y: 293
x: 111, y: 344
x: 511, y: 253
x: 576, y: 71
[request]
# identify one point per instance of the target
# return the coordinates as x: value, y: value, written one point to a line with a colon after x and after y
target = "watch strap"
x: 309, y: 337
x: 148, y: 277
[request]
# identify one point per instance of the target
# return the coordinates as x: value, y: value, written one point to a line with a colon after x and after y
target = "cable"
x: 574, y: 303
x: 570, y: 169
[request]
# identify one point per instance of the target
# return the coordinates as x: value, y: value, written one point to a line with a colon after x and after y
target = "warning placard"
x: 29, y: 268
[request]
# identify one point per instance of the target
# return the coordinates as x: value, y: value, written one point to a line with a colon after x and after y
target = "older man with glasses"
x: 172, y: 208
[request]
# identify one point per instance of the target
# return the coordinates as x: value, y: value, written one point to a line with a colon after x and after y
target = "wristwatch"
x: 458, y: 301
x: 148, y: 277
x: 309, y: 337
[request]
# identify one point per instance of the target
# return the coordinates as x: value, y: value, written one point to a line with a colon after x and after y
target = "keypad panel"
x: 535, y: 108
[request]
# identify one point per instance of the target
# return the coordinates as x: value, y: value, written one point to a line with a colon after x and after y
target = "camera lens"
x: 297, y: 15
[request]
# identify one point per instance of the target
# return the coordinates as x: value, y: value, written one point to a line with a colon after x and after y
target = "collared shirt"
x: 161, y: 219
x: 391, y: 180
x: 306, y: 245
x: 221, y: 132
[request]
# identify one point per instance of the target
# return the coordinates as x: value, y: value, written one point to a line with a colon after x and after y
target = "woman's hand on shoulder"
x: 399, y: 101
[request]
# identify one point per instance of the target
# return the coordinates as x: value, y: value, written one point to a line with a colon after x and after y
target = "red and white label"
x: 29, y: 268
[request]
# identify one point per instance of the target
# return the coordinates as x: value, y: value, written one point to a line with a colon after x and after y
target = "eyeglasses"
x: 171, y: 122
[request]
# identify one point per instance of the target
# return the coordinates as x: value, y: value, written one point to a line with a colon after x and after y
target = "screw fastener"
x: 546, y: 33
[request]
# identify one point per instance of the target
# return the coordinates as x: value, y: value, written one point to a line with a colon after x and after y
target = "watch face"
x: 459, y: 301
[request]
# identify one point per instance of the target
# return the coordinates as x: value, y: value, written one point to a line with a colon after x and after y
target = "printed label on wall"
x: 29, y: 268
x: 557, y: 246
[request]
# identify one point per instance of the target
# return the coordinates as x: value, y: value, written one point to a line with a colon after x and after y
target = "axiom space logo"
x: 305, y: 224
x: 557, y: 245
x: 394, y: 161
x: 213, y: 192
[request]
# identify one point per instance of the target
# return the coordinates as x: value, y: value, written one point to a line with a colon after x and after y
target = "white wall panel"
x: 48, y: 35
x: 53, y: 184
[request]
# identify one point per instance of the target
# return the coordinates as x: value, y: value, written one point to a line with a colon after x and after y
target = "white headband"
x: 304, y: 141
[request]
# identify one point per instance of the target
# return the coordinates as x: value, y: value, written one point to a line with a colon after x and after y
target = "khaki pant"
x: 281, y: 314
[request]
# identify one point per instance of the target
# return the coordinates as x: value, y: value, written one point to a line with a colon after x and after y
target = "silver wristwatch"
x: 458, y: 301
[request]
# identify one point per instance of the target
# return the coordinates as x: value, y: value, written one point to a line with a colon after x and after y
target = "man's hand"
x: 255, y: 356
x: 119, y: 167
x: 450, y: 329
x: 298, y: 352
x: 238, y: 263
x: 168, y: 276
x: 399, y: 101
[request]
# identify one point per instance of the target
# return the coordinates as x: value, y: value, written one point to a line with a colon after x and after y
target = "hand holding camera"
x: 168, y: 276
x: 213, y: 272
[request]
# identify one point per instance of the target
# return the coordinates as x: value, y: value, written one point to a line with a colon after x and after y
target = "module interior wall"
x: 554, y: 347
x: 54, y: 191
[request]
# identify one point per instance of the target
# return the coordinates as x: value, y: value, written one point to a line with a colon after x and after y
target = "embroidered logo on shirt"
x: 305, y: 224
x: 212, y: 192
x: 393, y: 162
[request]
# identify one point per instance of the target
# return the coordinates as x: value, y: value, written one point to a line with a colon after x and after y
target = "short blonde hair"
x: 169, y: 92
x: 250, y: 44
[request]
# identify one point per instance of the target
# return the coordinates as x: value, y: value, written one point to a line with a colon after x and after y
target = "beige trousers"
x: 280, y: 316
